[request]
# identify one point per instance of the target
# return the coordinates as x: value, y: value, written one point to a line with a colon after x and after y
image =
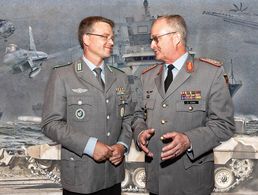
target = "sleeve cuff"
x: 90, y: 146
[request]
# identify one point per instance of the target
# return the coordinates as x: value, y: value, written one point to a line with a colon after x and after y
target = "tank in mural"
x: 236, y: 161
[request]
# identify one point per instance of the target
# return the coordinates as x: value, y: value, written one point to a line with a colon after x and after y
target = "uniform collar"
x: 91, y: 65
x: 178, y: 64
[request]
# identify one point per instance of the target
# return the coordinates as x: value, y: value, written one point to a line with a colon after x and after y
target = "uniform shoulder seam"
x: 62, y: 65
x: 149, y: 68
x: 211, y: 61
x: 116, y: 69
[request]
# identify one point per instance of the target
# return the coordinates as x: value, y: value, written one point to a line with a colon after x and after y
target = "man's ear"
x: 85, y: 39
x: 177, y: 38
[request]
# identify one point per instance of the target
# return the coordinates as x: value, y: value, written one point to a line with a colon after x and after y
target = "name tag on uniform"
x: 191, y: 102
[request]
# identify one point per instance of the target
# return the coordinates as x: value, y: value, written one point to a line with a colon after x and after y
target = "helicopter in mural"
x: 21, y: 60
x: 7, y: 28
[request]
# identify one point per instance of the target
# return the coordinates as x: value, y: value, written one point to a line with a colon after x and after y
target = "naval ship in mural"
x: 26, y: 148
x: 133, y: 44
x: 233, y: 84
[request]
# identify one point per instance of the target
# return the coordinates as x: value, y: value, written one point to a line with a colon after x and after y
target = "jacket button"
x: 164, y: 105
x: 79, y: 102
x: 163, y: 121
x: 190, y: 108
x: 108, y: 134
x: 108, y: 117
x: 107, y: 101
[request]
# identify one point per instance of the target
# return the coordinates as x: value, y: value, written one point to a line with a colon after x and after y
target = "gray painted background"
x: 218, y: 29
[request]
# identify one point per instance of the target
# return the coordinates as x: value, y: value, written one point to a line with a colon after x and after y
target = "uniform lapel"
x: 159, y: 82
x: 85, y: 74
x: 110, y: 77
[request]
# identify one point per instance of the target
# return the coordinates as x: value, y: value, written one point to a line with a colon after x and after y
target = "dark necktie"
x: 169, y: 77
x: 98, y: 75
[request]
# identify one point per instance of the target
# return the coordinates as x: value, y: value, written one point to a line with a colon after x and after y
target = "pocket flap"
x: 79, y: 100
x: 187, y: 106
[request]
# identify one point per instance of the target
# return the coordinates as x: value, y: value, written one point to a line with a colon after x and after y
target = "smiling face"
x: 99, y: 42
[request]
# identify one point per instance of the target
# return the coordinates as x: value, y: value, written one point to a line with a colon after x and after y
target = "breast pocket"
x: 79, y: 108
x: 193, y: 113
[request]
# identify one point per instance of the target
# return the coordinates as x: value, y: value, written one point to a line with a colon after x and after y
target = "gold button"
x: 163, y: 121
x: 164, y: 105
x: 108, y: 116
x: 190, y: 108
x: 79, y: 102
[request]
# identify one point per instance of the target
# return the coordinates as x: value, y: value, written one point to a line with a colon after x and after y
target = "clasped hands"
x: 114, y: 153
x: 178, y: 145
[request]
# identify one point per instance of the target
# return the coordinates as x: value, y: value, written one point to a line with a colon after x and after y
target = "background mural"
x: 36, y: 36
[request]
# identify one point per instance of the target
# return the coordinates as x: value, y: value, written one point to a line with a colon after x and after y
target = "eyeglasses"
x: 107, y: 38
x: 156, y: 38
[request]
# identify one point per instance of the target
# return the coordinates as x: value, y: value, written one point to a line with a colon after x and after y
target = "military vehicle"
x: 236, y: 160
x: 21, y: 59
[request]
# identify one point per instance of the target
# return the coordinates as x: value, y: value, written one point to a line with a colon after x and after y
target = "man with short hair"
x: 186, y: 110
x: 87, y: 110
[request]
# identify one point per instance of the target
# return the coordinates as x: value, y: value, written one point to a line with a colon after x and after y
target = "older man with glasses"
x: 186, y: 110
x: 87, y: 110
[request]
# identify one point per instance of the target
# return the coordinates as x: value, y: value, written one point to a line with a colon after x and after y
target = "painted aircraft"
x: 7, y: 28
x: 20, y: 59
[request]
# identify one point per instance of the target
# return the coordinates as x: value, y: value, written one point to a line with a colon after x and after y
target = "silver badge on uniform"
x: 79, y: 90
x: 122, y: 111
x: 80, y: 113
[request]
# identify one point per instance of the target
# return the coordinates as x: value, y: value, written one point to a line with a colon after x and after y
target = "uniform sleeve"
x: 139, y: 123
x: 219, y: 124
x: 54, y: 117
x: 126, y: 131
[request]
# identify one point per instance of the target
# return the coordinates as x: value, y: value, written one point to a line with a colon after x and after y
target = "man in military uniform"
x: 87, y: 110
x: 186, y: 110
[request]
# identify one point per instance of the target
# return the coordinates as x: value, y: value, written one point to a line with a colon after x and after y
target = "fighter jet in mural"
x: 20, y: 59
x: 6, y: 29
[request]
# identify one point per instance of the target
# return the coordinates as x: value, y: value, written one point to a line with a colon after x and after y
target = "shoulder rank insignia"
x: 211, y: 61
x: 189, y: 66
x: 78, y: 67
x: 149, y: 68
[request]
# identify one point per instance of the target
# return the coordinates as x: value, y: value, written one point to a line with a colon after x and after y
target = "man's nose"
x: 153, y: 44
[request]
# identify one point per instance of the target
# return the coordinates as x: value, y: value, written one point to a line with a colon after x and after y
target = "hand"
x: 143, y: 138
x: 179, y: 144
x: 118, y: 154
x: 102, y: 152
